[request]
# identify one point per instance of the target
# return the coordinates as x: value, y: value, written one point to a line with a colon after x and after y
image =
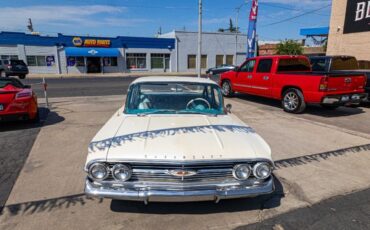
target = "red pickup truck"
x: 290, y: 79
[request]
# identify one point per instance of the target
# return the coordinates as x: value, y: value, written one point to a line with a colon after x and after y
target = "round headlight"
x: 98, y: 171
x: 121, y: 172
x: 262, y: 170
x: 242, y: 171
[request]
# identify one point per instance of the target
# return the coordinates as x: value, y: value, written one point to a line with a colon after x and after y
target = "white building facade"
x: 172, y: 52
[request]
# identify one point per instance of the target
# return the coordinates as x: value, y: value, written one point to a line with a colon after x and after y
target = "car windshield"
x: 15, y: 83
x: 174, y: 98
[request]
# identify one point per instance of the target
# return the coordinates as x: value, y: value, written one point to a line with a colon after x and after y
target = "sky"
x: 277, y: 19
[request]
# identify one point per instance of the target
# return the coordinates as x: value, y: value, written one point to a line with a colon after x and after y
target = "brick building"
x: 349, y: 32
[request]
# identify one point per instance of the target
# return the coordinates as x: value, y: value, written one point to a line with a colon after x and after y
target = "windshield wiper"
x: 164, y: 111
x: 196, y: 112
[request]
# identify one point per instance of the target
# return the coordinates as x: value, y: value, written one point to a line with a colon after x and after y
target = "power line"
x: 268, y: 4
x: 297, y: 16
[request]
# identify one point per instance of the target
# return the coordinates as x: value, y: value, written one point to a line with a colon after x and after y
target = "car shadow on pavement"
x: 207, y: 207
x: 316, y: 110
x: 47, y: 118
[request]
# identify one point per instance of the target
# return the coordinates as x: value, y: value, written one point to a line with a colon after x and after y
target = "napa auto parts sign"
x: 87, y: 42
x: 357, y: 16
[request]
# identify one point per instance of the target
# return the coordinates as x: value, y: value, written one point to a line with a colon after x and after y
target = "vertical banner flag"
x: 251, y: 45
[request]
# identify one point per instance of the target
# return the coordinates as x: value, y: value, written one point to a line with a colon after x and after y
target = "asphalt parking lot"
x: 321, y: 157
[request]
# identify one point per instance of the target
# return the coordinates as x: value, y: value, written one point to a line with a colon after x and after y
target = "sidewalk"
x: 132, y: 74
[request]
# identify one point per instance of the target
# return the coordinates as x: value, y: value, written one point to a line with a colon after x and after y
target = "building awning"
x: 319, y: 31
x: 91, y: 52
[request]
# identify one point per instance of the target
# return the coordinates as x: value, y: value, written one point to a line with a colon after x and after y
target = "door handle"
x: 249, y: 76
x: 266, y: 77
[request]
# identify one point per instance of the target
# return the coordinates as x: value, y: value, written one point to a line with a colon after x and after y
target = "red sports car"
x: 17, y: 101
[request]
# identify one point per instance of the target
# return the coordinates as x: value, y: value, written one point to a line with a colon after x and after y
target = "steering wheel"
x: 192, y: 102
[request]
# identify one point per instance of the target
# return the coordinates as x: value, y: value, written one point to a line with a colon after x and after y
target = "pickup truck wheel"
x: 227, y: 91
x: 293, y: 101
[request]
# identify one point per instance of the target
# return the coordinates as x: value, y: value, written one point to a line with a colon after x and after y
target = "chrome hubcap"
x: 226, y: 88
x: 291, y: 101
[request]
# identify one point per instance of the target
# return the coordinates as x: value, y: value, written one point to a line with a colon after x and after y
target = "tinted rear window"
x: 318, y: 64
x: 344, y: 63
x: 17, y: 62
x: 264, y: 66
x: 293, y: 64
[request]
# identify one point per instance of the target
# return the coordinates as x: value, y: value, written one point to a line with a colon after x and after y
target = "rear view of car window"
x: 264, y: 66
x: 17, y: 62
x: 318, y: 64
x: 344, y: 63
x: 293, y: 64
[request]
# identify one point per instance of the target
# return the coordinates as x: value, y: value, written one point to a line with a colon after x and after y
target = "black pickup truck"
x: 333, y: 64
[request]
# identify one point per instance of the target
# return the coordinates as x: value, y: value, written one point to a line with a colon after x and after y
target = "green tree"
x: 289, y: 47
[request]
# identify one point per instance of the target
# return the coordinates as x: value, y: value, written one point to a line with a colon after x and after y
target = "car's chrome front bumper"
x: 188, y: 195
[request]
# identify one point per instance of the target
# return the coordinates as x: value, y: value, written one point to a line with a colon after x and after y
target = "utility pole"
x: 199, y: 38
x: 237, y: 31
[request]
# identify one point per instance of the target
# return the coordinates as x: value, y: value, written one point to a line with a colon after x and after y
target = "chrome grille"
x: 166, y: 176
x: 162, y: 173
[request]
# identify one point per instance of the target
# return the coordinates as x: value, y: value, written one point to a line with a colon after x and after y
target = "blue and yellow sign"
x: 77, y: 41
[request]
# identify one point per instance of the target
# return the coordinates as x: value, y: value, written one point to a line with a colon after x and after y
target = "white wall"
x: 212, y: 44
x: 44, y: 51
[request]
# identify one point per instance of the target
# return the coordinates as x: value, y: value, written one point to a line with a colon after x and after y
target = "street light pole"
x: 199, y: 38
x: 236, y: 31
x: 236, y: 34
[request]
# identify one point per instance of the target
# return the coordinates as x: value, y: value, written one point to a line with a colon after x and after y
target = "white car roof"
x: 173, y: 79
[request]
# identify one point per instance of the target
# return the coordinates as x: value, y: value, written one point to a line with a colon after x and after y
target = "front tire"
x: 227, y: 91
x: 293, y: 101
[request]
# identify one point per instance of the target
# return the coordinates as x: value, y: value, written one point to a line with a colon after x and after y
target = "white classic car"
x: 174, y: 140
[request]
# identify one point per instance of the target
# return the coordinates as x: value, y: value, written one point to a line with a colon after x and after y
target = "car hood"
x: 177, y: 137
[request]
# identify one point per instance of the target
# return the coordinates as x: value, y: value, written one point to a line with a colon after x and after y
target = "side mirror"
x: 228, y: 108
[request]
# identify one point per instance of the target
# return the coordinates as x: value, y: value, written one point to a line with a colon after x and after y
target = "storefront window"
x: 203, y: 62
x: 191, y: 61
x: 110, y: 61
x: 9, y: 57
x: 229, y: 59
x: 40, y: 60
x: 75, y: 61
x: 159, y: 61
x: 80, y: 61
x: 31, y: 61
x: 136, y: 60
x: 219, y: 60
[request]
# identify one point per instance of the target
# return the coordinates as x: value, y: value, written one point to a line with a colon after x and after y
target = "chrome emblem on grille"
x: 182, y: 172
